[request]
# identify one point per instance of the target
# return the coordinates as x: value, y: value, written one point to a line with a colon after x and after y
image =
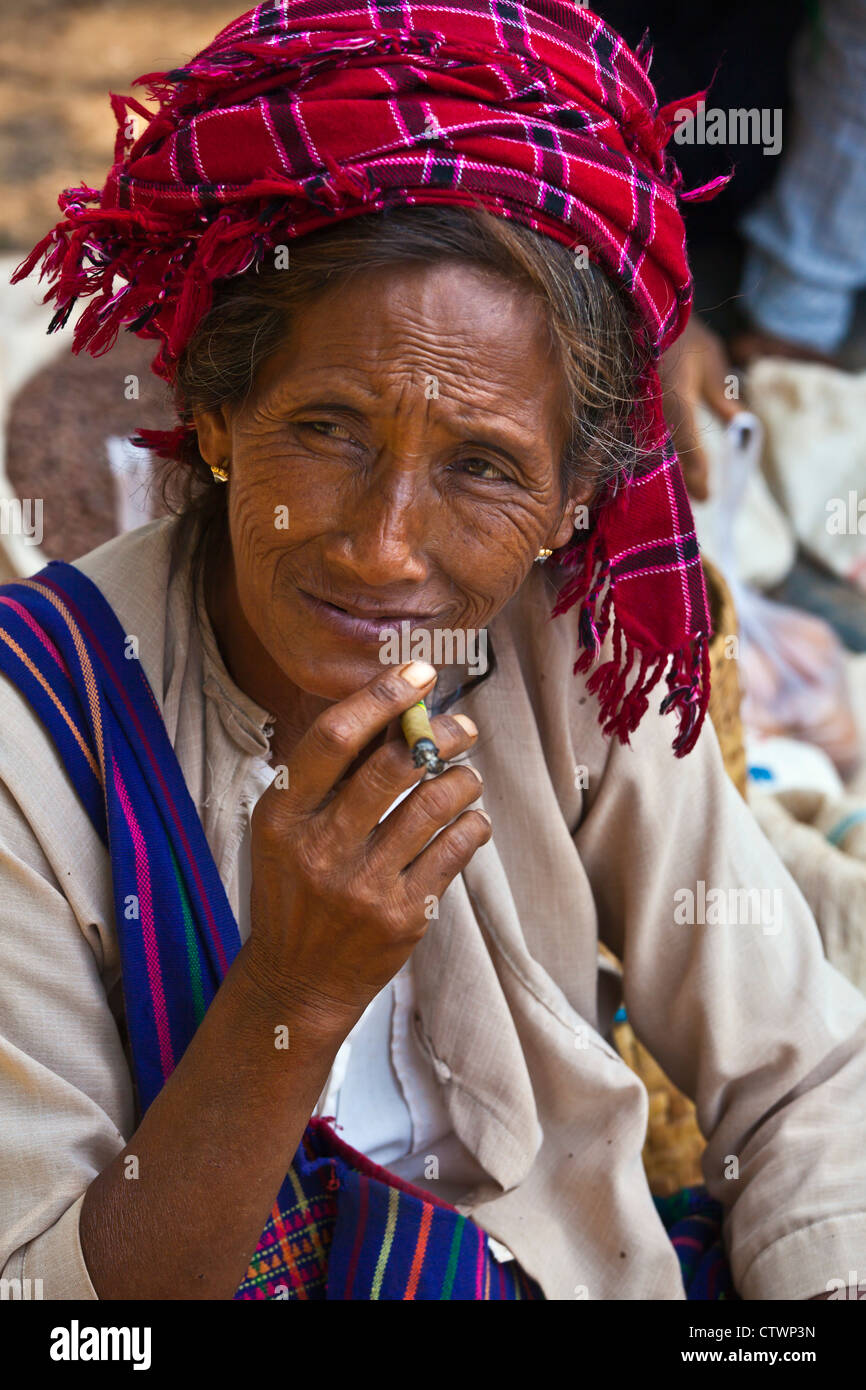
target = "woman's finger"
x: 446, y: 856
x: 423, y: 814
x: 365, y: 797
x: 343, y: 730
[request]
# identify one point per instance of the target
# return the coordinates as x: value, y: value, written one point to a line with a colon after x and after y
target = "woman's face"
x: 397, y: 459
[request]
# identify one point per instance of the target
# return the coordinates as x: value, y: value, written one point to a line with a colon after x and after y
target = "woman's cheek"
x: 281, y: 506
x: 494, y: 554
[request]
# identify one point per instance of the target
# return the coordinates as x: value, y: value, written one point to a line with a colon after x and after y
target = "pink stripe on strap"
x: 39, y: 631
x: 145, y: 907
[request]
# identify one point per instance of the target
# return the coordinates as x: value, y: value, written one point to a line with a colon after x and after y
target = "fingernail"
x: 466, y: 723
x: 473, y: 770
x: 485, y: 815
x: 418, y: 673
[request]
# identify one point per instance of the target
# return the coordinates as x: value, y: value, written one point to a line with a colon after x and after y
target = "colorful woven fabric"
x: 341, y: 1227
x: 303, y: 112
x: 693, y: 1221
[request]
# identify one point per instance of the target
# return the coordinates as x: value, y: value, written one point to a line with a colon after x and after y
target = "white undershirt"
x: 383, y: 1089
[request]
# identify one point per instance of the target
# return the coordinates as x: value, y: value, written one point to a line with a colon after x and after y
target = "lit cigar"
x: 418, y: 733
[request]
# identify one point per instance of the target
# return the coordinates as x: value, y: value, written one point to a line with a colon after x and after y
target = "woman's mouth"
x: 359, y: 628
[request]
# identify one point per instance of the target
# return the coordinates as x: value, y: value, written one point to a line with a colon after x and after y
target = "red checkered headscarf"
x: 303, y: 112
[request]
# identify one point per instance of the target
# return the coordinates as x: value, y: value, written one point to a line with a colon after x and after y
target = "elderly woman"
x: 410, y: 285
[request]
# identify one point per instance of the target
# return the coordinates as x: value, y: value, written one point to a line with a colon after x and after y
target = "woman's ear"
x: 213, y: 428
x: 576, y: 514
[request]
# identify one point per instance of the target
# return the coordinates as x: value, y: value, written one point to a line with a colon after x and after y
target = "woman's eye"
x: 485, y: 468
x: 325, y: 427
x: 328, y: 430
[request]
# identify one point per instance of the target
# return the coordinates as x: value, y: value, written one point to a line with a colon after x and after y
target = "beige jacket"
x: 591, y: 841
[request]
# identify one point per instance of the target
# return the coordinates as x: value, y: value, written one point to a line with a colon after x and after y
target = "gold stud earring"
x: 543, y: 554
x: 219, y: 472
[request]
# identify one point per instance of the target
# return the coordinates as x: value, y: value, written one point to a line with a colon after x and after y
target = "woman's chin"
x: 334, y: 676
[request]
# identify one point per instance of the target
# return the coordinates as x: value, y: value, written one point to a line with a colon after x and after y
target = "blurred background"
x: 766, y: 393
x: 66, y: 420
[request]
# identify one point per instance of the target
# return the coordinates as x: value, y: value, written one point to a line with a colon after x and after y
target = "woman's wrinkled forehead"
x: 448, y: 333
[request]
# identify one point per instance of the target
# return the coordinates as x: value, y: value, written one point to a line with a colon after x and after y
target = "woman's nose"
x: 386, y: 533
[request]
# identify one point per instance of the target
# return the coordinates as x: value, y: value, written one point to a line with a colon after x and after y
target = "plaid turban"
x: 304, y: 112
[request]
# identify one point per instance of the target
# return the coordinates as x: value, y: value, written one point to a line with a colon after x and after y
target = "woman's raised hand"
x: 695, y: 371
x: 339, y: 901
